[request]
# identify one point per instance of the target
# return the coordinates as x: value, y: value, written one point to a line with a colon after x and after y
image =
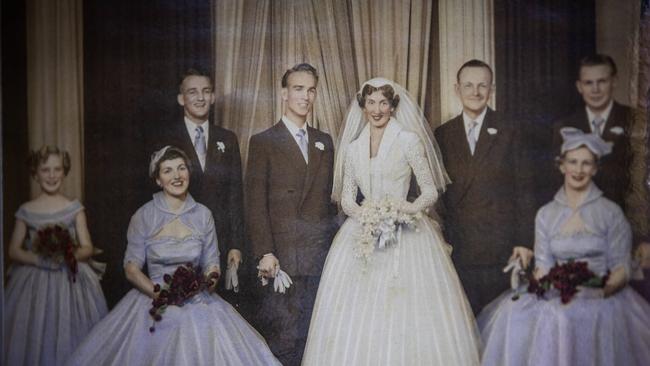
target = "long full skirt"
x: 586, y: 331
x: 205, y: 331
x: 47, y: 315
x: 405, y: 306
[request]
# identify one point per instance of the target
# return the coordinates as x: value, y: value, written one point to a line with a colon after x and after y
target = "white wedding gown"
x: 406, y: 306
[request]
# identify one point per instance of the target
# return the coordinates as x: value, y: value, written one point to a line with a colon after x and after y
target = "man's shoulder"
x: 448, y: 125
x: 320, y: 135
x: 223, y: 133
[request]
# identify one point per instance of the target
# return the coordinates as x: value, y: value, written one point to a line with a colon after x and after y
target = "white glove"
x: 515, y: 266
x: 232, y: 280
x: 281, y: 282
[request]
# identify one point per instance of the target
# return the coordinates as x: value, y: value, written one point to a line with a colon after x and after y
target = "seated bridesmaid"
x: 173, y: 236
x: 53, y: 297
x: 604, y: 323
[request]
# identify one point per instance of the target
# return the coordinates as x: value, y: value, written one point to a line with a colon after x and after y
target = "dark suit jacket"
x: 489, y: 206
x: 613, y: 176
x: 219, y: 187
x: 288, y: 208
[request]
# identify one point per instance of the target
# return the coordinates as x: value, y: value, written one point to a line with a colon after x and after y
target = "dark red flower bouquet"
x: 56, y: 242
x: 566, y: 278
x: 179, y: 287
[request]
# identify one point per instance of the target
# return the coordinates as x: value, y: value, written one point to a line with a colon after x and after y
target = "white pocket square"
x: 492, y: 131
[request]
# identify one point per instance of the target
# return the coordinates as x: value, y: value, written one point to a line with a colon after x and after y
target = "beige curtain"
x: 55, y: 82
x: 348, y: 41
x: 466, y: 31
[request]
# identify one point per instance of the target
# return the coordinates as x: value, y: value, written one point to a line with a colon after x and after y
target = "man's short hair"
x: 474, y: 63
x: 596, y: 60
x: 304, y: 67
x: 194, y: 71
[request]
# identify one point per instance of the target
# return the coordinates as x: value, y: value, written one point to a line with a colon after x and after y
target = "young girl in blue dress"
x: 49, y: 308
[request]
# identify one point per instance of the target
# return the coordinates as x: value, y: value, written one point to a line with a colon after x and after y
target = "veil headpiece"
x: 409, y: 115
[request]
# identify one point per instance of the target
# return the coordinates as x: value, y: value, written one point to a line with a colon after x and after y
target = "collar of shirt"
x: 293, y: 128
x: 191, y: 129
x: 605, y: 115
x: 467, y: 122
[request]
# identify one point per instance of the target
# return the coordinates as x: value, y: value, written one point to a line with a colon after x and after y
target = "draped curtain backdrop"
x: 54, y: 82
x: 347, y: 41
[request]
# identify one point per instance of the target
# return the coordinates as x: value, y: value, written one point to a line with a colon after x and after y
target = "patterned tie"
x: 470, y: 136
x: 302, y: 142
x: 199, y: 144
x: 597, y: 123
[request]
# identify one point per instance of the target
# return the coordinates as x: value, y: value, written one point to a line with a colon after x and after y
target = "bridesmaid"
x: 598, y: 326
x: 49, y: 308
x: 169, y: 231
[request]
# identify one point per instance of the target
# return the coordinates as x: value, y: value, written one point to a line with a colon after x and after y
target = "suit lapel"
x: 485, y: 139
x: 210, y: 155
x: 617, y: 118
x: 186, y: 144
x: 459, y: 136
x: 483, y: 146
x: 288, y: 146
x: 315, y: 155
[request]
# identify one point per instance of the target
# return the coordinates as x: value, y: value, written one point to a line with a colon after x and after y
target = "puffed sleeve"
x: 210, y: 252
x: 417, y: 159
x: 619, y: 238
x: 135, y: 235
x: 544, y: 259
x: 350, y: 188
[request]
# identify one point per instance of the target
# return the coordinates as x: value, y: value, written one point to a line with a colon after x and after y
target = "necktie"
x: 597, y: 123
x: 302, y: 142
x: 470, y: 136
x: 199, y: 144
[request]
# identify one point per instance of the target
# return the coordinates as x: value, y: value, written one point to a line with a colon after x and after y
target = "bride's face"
x: 377, y: 109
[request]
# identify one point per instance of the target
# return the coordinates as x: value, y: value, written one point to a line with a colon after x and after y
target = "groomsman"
x: 603, y: 115
x: 488, y: 209
x: 216, y: 176
x: 289, y: 213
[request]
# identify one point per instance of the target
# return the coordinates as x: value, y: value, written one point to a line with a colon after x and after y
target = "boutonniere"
x: 616, y: 130
x: 221, y: 146
x: 492, y: 131
x: 319, y: 145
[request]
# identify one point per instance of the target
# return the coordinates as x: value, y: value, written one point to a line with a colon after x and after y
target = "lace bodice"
x: 389, y: 173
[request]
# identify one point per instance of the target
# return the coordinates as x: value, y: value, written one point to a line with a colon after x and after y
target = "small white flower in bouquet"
x: 382, y: 222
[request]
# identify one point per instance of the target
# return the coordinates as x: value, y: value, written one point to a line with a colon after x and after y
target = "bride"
x: 402, y: 304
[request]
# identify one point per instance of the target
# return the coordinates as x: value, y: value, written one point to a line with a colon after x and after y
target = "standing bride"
x: 402, y: 303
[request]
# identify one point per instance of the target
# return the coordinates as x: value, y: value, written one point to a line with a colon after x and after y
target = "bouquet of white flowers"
x: 382, y: 222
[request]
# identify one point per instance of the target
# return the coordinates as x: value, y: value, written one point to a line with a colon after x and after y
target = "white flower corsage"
x: 616, y: 130
x: 492, y: 131
x: 319, y: 145
x: 221, y: 146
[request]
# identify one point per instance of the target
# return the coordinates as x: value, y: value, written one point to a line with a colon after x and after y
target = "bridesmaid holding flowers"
x: 53, y: 297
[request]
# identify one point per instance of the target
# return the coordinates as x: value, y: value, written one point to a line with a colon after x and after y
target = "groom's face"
x: 299, y: 95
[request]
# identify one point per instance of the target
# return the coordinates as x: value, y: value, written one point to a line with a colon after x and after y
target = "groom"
x: 289, y: 214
